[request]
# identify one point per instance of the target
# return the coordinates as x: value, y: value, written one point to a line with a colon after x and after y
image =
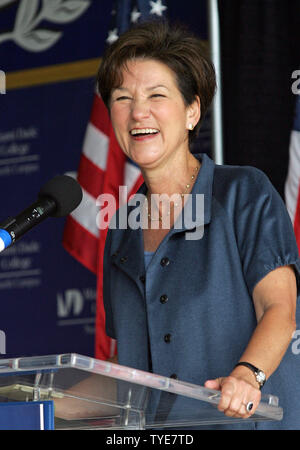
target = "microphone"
x: 57, y: 198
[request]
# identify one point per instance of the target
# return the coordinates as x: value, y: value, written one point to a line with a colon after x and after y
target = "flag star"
x: 135, y: 15
x: 157, y: 7
x: 112, y: 36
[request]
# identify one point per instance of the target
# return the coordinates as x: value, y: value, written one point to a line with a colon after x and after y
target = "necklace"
x: 176, y: 204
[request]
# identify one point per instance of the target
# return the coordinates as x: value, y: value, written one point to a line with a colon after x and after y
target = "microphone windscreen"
x: 66, y: 193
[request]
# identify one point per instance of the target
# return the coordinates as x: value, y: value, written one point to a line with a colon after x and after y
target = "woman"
x: 217, y: 308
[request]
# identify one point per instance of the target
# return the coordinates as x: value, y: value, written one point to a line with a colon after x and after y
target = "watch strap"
x: 254, y: 369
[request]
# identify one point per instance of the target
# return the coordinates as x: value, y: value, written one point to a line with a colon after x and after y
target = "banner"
x: 49, y: 53
x: 49, y: 56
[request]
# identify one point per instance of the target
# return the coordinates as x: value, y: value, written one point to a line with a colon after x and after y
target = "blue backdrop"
x: 47, y: 299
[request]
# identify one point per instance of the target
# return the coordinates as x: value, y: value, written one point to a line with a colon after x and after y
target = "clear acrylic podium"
x: 94, y: 394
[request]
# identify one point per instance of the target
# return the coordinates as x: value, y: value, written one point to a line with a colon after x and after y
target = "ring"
x: 249, y: 406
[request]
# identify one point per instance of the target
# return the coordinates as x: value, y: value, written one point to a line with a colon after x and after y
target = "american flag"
x: 292, y: 186
x: 102, y: 169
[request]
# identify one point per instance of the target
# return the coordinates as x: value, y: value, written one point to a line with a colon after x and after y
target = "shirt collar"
x: 130, y: 253
x: 202, y: 185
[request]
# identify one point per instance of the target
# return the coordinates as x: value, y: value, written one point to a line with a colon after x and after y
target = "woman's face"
x: 148, y: 113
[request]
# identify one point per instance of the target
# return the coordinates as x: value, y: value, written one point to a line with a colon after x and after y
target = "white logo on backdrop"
x: 71, y: 303
x: 77, y: 307
x: 27, y: 32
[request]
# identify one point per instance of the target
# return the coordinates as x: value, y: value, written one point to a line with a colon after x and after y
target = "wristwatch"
x: 259, y: 374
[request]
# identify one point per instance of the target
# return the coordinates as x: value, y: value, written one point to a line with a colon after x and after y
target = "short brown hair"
x: 175, y: 46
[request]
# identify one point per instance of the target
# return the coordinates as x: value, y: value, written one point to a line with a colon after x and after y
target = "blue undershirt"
x: 147, y: 258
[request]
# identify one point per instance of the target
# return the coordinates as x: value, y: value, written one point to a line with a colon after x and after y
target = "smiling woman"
x: 151, y: 123
x: 218, y: 309
x: 185, y: 55
x: 157, y: 98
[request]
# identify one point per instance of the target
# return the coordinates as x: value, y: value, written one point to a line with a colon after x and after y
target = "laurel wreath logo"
x: 31, y: 13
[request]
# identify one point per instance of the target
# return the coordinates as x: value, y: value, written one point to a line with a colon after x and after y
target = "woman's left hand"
x: 236, y: 394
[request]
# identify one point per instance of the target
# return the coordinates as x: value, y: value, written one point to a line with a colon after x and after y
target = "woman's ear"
x: 193, y: 113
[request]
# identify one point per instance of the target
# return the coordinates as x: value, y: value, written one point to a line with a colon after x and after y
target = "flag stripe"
x: 292, y: 184
x: 99, y: 115
x: 81, y: 244
x: 95, y: 146
x: 292, y: 181
x: 86, y: 214
x: 90, y: 176
x: 132, y: 177
x: 297, y: 221
x: 103, y: 168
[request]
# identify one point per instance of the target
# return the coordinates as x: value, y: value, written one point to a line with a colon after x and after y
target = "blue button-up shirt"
x: 191, y: 312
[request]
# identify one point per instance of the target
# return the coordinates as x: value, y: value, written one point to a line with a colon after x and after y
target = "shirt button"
x: 167, y: 338
x: 163, y: 298
x: 142, y: 278
x: 165, y: 261
x: 123, y: 259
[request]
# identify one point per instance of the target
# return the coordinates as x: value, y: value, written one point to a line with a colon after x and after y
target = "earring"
x: 191, y: 126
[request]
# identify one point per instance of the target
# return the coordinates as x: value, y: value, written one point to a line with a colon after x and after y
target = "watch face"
x: 261, y: 377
